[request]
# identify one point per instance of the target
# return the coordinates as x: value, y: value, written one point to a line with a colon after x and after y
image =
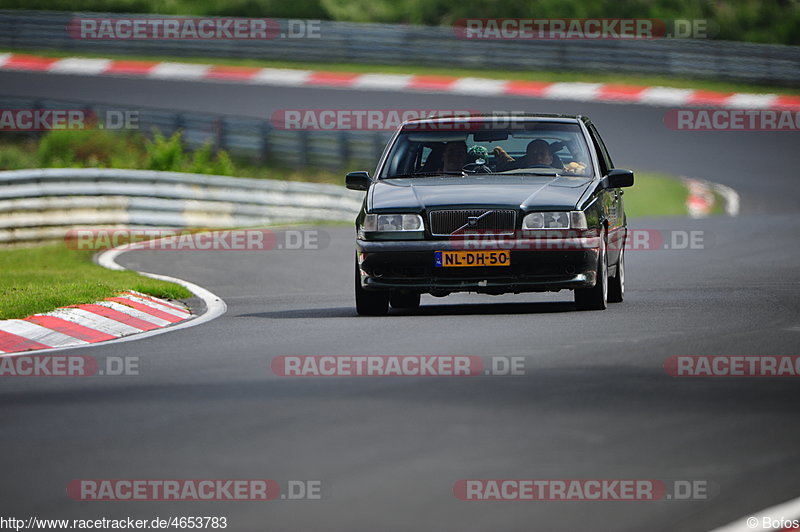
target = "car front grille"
x: 485, y: 221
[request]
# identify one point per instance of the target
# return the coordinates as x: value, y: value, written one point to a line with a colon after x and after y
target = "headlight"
x: 555, y: 220
x: 393, y: 222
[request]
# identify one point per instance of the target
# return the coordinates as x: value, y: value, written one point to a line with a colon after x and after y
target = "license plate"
x: 454, y: 259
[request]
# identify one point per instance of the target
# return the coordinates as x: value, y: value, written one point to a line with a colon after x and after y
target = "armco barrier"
x: 397, y: 44
x: 42, y: 204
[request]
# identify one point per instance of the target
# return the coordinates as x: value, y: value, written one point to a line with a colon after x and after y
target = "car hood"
x: 517, y: 191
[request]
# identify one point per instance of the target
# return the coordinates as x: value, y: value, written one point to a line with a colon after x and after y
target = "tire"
x: 616, y: 284
x: 404, y: 301
x: 370, y: 303
x: 595, y: 298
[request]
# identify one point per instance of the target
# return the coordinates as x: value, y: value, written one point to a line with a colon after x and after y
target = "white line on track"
x: 731, y: 198
x: 787, y: 511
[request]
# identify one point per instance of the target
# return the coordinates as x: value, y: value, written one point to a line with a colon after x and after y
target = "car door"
x: 613, y: 206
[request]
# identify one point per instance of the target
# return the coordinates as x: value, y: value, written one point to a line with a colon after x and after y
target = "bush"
x: 86, y: 148
x: 164, y: 154
x: 224, y: 165
x: 168, y: 155
x: 17, y: 157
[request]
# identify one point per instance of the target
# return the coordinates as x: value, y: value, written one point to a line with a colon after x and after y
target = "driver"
x: 537, y: 154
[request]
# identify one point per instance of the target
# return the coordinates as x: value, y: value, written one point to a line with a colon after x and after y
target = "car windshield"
x: 534, y: 148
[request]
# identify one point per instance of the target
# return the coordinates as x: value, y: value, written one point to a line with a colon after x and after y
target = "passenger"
x: 433, y: 163
x: 455, y: 156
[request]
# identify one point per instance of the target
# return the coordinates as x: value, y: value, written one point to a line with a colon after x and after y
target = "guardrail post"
x: 178, y: 123
x: 219, y: 135
x: 305, y: 146
x: 344, y: 148
x: 265, y: 145
x: 378, y: 144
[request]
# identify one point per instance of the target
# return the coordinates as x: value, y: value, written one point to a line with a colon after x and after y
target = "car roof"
x: 533, y: 117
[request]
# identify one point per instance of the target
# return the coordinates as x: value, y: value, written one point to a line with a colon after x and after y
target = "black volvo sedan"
x: 491, y: 205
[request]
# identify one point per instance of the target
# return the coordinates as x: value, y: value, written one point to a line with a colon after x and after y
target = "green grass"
x: 656, y: 195
x: 521, y: 75
x: 40, y: 279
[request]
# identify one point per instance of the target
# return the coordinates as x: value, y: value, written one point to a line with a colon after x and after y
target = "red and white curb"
x: 702, y: 198
x: 129, y: 316
x: 128, y: 313
x: 600, y: 92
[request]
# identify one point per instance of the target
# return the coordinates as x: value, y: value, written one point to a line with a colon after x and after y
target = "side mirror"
x: 619, y: 178
x: 358, y: 181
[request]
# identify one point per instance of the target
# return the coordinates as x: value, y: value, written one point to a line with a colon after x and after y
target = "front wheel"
x: 370, y: 303
x: 616, y: 285
x: 595, y: 298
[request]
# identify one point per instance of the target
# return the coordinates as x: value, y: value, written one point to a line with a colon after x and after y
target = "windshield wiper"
x: 547, y: 174
x: 423, y: 174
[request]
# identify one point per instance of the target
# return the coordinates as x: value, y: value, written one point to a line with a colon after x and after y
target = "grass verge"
x: 656, y: 195
x: 521, y: 75
x: 40, y: 279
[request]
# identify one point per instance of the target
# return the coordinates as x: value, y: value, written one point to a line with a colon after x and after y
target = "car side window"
x: 602, y: 153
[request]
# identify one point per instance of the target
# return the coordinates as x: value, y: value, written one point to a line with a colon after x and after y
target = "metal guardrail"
x: 396, y: 44
x: 42, y: 204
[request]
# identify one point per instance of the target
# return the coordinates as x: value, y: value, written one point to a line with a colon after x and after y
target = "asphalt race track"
x: 595, y: 401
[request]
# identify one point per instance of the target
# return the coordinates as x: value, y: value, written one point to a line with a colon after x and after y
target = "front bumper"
x: 535, y: 267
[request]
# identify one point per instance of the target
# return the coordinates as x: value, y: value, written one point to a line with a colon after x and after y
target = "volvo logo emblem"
x: 472, y: 221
